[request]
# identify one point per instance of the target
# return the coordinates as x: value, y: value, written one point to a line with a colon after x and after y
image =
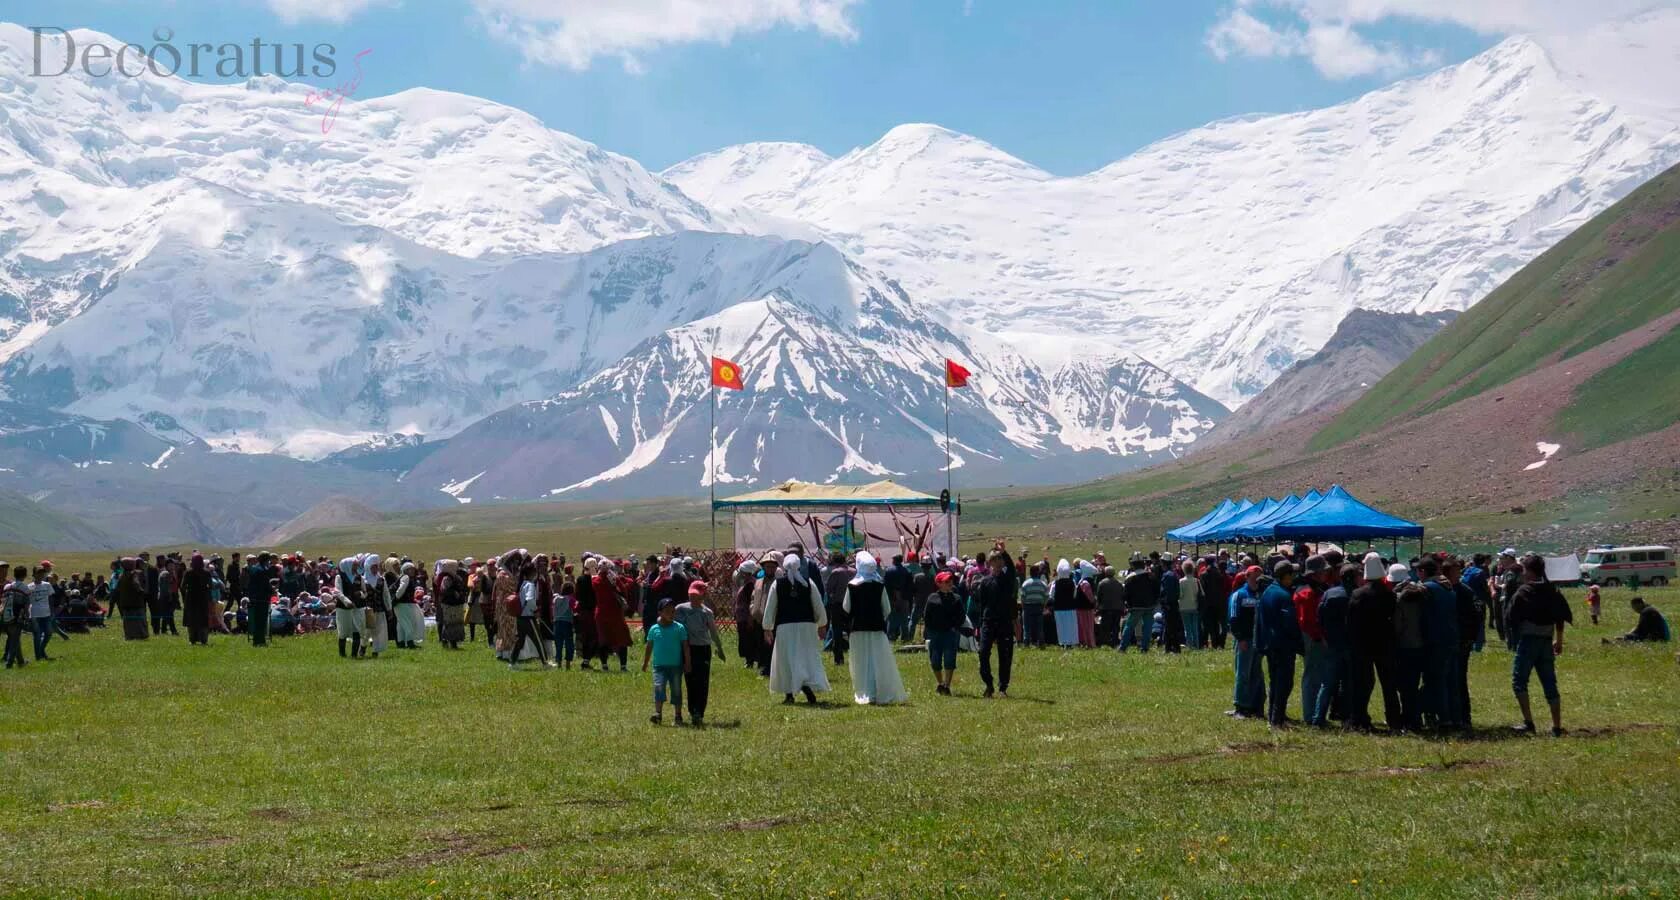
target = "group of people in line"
x: 1408, y: 629
x: 1356, y: 625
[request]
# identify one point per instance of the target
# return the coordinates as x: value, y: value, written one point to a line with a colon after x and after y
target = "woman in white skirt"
x: 875, y: 677
x: 794, y: 619
x: 347, y: 619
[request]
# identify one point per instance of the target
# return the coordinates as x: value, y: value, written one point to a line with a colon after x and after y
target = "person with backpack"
x: 1534, y: 622
x: 14, y: 609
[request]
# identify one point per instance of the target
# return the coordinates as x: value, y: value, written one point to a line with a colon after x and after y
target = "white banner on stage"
x: 877, y: 529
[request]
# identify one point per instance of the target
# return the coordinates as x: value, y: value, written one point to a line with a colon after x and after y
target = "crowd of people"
x: 1354, y: 626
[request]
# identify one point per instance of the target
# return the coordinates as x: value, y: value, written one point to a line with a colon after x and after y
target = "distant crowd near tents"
x: 1360, y: 623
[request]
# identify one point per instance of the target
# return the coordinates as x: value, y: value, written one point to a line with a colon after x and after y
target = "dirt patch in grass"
x: 78, y: 804
x: 1451, y: 765
x: 274, y: 814
x: 220, y: 840
x: 1595, y: 731
x: 759, y: 824
x: 1241, y: 748
x: 449, y: 847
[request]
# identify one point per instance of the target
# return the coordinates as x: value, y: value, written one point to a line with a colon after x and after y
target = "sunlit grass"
x: 158, y: 767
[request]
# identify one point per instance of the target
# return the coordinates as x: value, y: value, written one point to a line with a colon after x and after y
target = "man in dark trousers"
x: 259, y: 591
x: 996, y: 598
x: 1371, y: 642
x: 901, y: 586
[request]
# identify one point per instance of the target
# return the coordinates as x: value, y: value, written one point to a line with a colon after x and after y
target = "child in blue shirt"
x: 667, y: 648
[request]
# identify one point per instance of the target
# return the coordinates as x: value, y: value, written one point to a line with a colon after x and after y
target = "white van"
x: 1632, y: 566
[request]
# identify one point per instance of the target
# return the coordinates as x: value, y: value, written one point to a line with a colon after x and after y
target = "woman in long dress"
x: 451, y: 604
x: 502, y: 592
x: 1086, y: 614
x: 794, y: 614
x: 376, y: 602
x: 195, y: 597
x: 130, y: 599
x: 612, y: 631
x: 583, y: 623
x: 875, y: 677
x: 1064, y: 599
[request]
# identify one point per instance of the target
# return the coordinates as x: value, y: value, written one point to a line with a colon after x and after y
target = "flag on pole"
x: 726, y: 374
x: 955, y: 375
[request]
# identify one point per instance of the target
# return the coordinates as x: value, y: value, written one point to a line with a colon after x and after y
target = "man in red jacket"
x: 1316, y: 671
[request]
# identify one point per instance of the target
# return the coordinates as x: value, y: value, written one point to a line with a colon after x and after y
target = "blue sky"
x: 1069, y: 85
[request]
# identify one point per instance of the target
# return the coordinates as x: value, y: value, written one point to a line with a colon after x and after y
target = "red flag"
x: 955, y: 375
x: 726, y: 374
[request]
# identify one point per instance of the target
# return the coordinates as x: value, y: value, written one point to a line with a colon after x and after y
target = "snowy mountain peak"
x: 1227, y: 253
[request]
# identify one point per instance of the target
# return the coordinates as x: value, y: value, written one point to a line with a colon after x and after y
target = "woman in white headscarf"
x: 378, y: 602
x: 1064, y: 600
x: 875, y: 677
x: 794, y: 616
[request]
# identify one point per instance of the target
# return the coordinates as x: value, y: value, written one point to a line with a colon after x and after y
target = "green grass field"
x: 160, y: 768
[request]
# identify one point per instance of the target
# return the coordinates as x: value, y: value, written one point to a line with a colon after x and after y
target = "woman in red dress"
x: 612, y: 632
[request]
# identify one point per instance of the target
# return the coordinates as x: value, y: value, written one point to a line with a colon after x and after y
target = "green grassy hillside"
x: 25, y: 523
x: 1614, y: 274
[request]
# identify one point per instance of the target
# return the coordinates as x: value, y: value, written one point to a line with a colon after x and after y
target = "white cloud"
x: 336, y: 11
x: 1328, y: 32
x: 574, y: 33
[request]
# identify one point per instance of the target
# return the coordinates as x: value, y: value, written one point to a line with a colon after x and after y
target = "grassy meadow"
x: 158, y: 768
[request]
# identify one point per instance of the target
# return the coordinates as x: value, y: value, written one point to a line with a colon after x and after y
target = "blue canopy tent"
x: 1202, y: 534
x: 1235, y: 528
x: 1341, y: 516
x: 1182, y: 532
x: 1258, y: 529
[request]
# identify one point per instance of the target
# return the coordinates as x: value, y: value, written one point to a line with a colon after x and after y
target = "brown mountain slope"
x: 1367, y: 345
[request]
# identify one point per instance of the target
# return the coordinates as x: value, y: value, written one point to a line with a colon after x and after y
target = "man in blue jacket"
x: 1249, y: 696
x: 1440, y: 630
x: 1277, y: 635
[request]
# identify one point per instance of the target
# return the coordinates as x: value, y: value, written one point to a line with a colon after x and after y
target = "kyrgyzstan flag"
x: 955, y: 375
x: 726, y: 374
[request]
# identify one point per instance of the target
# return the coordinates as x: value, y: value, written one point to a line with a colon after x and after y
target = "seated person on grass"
x: 1651, y: 626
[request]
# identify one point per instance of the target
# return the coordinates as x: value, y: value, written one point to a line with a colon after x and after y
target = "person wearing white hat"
x: 794, y: 620
x: 875, y: 677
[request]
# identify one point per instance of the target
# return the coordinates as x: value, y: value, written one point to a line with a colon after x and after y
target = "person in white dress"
x: 794, y: 620
x: 875, y: 678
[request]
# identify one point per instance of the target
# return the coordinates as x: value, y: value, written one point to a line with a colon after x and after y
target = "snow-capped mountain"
x: 89, y: 167
x: 499, y: 310
x: 850, y: 388
x: 1227, y: 253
